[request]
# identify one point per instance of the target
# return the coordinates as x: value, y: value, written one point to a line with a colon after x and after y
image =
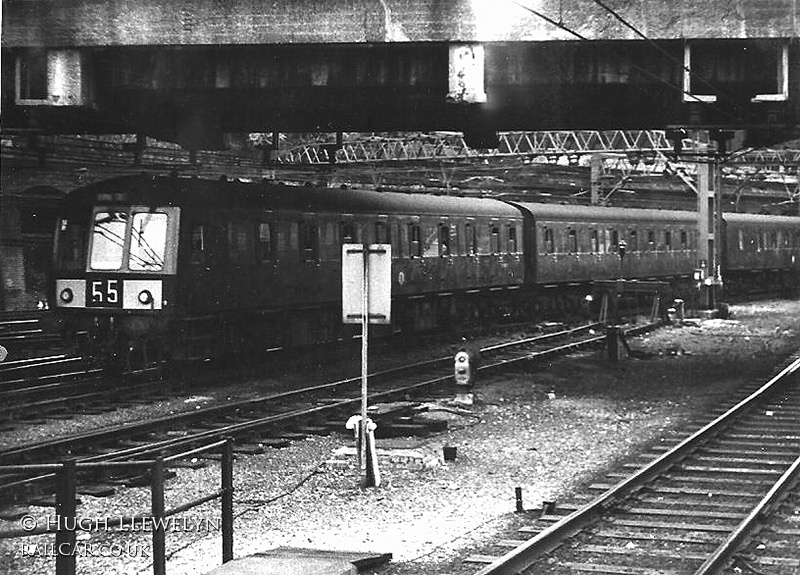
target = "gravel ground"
x: 549, y: 430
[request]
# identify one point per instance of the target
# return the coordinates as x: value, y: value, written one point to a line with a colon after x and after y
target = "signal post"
x: 708, y: 273
x: 366, y: 299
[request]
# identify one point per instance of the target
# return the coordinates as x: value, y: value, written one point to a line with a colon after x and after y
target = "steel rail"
x: 728, y: 548
x: 127, y: 430
x: 523, y: 556
x: 188, y: 441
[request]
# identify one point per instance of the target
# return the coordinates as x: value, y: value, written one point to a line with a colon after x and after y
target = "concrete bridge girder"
x: 194, y: 94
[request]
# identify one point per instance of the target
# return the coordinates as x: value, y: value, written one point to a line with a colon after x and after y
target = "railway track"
x: 35, y: 389
x: 23, y: 336
x: 725, y: 494
x: 62, y: 386
x: 280, y: 417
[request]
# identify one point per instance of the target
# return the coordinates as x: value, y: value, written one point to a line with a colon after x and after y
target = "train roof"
x: 149, y: 190
x: 762, y: 220
x: 566, y: 213
x: 560, y: 212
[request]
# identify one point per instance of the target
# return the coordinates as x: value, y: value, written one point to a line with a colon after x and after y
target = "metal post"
x: 518, y: 496
x: 65, y: 512
x: 706, y: 239
x: 227, y: 501
x: 362, y: 439
x: 157, y: 512
x: 718, y: 220
x: 612, y: 343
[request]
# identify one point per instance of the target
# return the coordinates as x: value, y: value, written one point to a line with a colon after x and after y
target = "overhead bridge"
x: 191, y: 71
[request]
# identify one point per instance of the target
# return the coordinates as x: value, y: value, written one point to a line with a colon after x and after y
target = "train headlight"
x: 66, y: 295
x: 145, y: 297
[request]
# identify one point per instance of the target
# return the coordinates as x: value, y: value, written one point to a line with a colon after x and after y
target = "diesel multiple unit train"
x: 185, y: 268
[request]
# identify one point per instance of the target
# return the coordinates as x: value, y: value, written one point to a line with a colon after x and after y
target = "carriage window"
x: 414, y: 241
x: 484, y: 243
x: 614, y: 240
x: 549, y: 245
x: 430, y: 246
x: 71, y: 245
x: 494, y: 238
x: 108, y: 240
x: 350, y: 233
x: 572, y: 241
x: 239, y: 237
x: 668, y: 240
x: 394, y: 238
x: 309, y: 241
x: 773, y: 240
x: 685, y: 240
x: 594, y: 240
x: 512, y: 239
x: 762, y: 240
x: 456, y: 242
x: 400, y: 235
x: 328, y: 235
x: 651, y: 240
x: 198, y: 244
x: 148, y: 242
x: 444, y: 240
x: 633, y: 241
x: 472, y: 239
x: 264, y: 251
x: 381, y: 233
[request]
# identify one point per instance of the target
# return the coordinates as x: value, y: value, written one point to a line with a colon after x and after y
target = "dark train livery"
x: 192, y: 269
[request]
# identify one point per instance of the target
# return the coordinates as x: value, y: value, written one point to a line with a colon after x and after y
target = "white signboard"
x: 378, y: 267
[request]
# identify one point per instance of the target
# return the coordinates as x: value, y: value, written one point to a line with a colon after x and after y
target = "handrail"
x: 66, y: 522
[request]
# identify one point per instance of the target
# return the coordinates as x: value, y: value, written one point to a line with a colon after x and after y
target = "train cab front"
x: 115, y: 278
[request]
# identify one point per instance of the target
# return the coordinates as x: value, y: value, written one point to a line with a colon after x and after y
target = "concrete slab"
x: 263, y: 565
x: 361, y: 559
x: 300, y: 561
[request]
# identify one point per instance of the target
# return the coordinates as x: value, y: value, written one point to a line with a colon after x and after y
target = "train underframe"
x: 137, y: 341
